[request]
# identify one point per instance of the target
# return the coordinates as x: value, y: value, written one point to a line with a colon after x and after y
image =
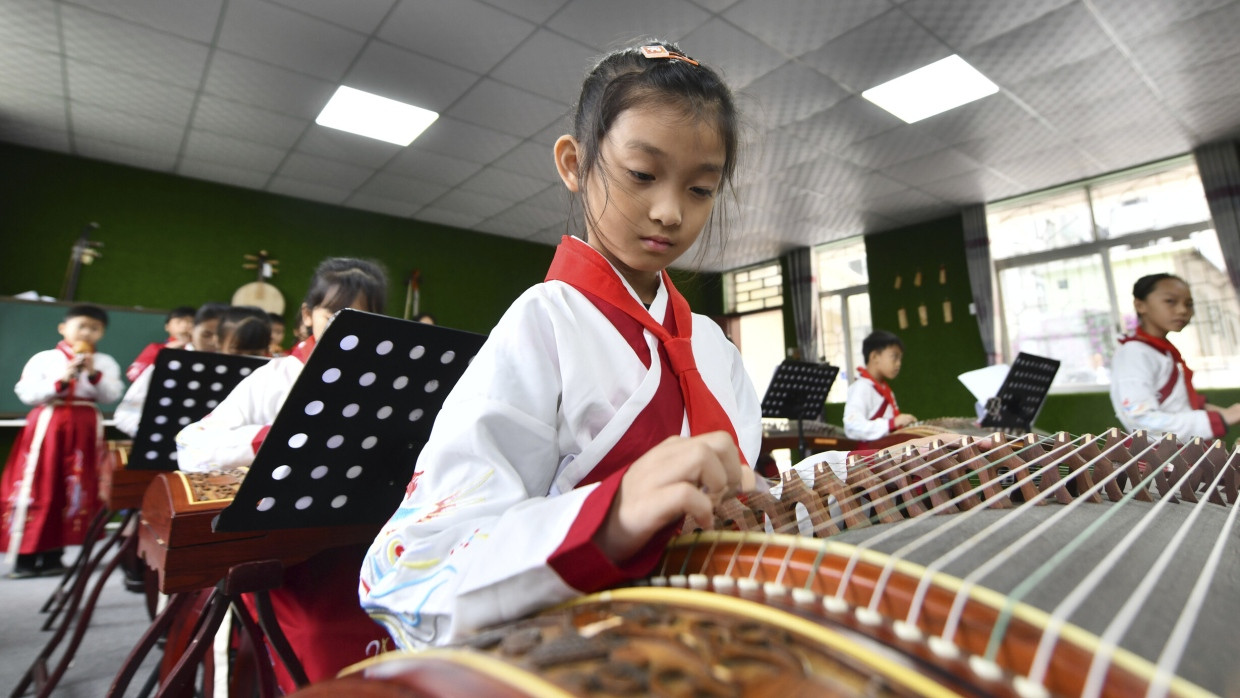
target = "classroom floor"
x: 118, y: 622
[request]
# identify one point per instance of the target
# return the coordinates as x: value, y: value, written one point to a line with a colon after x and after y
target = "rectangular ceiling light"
x: 931, y: 90
x: 373, y: 116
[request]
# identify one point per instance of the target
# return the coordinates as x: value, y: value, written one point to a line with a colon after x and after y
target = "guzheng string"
x: 1172, y: 652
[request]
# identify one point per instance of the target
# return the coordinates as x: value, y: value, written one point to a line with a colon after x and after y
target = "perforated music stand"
x: 344, y: 445
x: 798, y: 390
x: 185, y: 387
x: 1020, y: 398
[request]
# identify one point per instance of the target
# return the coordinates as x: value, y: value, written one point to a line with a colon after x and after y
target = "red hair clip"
x: 656, y: 51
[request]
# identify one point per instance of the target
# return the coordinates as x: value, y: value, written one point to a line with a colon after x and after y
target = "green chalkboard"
x: 29, y: 327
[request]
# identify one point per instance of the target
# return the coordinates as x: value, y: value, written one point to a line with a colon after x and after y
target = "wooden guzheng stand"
x: 992, y: 567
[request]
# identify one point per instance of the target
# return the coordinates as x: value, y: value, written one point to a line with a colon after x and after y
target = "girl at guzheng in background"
x: 600, y: 411
x: 49, y: 490
x: 315, y: 606
x: 1151, y: 385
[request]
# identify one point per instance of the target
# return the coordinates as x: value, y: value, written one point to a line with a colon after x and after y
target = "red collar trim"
x: 301, y: 352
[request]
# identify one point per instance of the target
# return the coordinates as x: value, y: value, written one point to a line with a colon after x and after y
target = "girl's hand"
x: 682, y: 475
x: 1230, y: 415
x: 904, y: 420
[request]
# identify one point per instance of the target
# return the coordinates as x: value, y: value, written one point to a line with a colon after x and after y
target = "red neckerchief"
x: 580, y: 266
x: 884, y: 391
x: 302, y: 350
x: 1166, y: 348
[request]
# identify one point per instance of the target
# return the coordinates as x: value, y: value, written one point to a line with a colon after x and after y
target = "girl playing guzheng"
x: 600, y: 411
x: 1151, y: 385
x: 325, y: 627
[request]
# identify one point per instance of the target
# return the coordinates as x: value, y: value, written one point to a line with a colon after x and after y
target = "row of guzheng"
x: 996, y: 566
x: 177, y: 541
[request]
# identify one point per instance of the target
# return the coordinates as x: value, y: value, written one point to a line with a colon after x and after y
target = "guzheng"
x: 177, y: 540
x: 997, y: 566
x: 119, y: 487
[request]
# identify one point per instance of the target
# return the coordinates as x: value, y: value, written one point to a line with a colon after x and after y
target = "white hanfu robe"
x: 1139, y: 373
x: 495, y: 494
x: 230, y: 436
x: 868, y: 414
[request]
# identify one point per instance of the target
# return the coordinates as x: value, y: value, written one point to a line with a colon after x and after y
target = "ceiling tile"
x: 27, y: 68
x: 796, y: 27
x: 351, y: 148
x: 890, y: 147
x: 34, y: 136
x: 225, y: 150
x: 852, y: 120
x: 124, y: 154
x: 195, y: 20
x: 535, y: 11
x: 548, y: 64
x: 249, y: 123
x: 789, y: 93
x: 1048, y: 167
x: 395, y: 73
x: 974, y: 187
x: 432, y: 167
x: 458, y: 139
x: 739, y: 57
x: 1137, y: 19
x: 126, y: 129
x: 527, y: 217
x: 222, y: 174
x: 937, y: 165
x: 311, y: 191
x: 1202, y: 83
x: 962, y: 24
x: 502, y: 184
x: 415, y: 192
x: 456, y: 219
x: 530, y: 159
x: 359, y: 15
x: 111, y: 89
x: 277, y: 35
x: 468, y: 202
x: 506, y: 109
x: 19, y: 106
x: 248, y: 81
x: 1090, y: 80
x: 310, y: 168
x: 990, y: 116
x: 1212, y: 120
x: 1203, y: 39
x: 114, y: 43
x: 1064, y: 36
x: 391, y: 207
x: 464, y: 33
x: 608, y: 25
x: 30, y: 23
x: 884, y: 48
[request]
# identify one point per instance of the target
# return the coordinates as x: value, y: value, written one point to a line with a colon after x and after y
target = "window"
x: 844, y: 305
x: 1066, y: 260
x: 756, y: 294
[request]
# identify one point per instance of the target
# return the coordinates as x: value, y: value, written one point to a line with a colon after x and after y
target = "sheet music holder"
x: 1020, y: 398
x: 798, y: 390
x: 185, y: 386
x: 344, y: 444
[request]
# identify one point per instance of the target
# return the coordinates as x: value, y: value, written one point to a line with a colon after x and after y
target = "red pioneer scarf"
x: 884, y: 391
x: 581, y: 267
x: 1177, y: 364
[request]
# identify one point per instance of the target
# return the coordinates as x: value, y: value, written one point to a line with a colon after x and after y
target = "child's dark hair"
x: 1145, y: 285
x: 93, y: 312
x: 179, y: 312
x: 627, y: 78
x: 878, y: 340
x: 340, y: 280
x: 245, y: 329
x: 275, y: 319
x: 209, y: 311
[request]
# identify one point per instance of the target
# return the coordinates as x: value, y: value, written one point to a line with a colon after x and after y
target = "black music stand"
x: 798, y: 390
x: 185, y: 387
x: 1020, y: 398
x: 340, y: 453
x: 343, y: 447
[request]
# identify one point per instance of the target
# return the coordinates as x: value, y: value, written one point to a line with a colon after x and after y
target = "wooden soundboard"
x: 177, y: 541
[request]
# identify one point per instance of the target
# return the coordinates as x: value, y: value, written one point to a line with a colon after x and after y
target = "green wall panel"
x: 937, y: 352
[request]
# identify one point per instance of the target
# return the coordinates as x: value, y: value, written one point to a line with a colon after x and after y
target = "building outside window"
x: 756, y: 296
x: 844, y: 305
x: 1065, y: 262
